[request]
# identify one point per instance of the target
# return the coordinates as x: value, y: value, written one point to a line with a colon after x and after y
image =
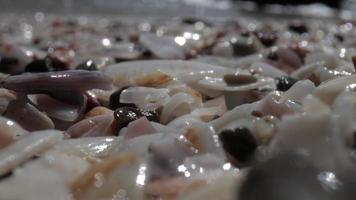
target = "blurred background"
x: 181, y: 7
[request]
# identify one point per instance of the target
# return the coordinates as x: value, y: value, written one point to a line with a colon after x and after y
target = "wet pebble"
x: 285, y: 82
x: 125, y: 115
x: 239, y: 143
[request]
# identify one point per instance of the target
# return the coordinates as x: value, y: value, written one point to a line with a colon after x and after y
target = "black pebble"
x: 125, y: 115
x: 239, y: 143
x: 298, y: 27
x: 88, y: 65
x: 46, y: 64
x: 6, y: 63
x: 151, y: 115
x: 241, y: 48
x: 339, y: 37
x: 285, y: 82
x: 267, y: 38
x: 40, y: 65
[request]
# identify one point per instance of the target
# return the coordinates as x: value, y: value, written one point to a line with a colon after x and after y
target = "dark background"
x: 331, y: 3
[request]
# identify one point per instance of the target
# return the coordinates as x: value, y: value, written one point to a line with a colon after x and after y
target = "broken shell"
x: 9, y: 132
x: 57, y: 109
x: 328, y: 91
x: 28, y: 116
x: 119, y: 172
x: 225, y: 187
x: 179, y: 69
x: 220, y: 85
x: 265, y: 69
x: 99, y: 110
x: 46, y: 183
x: 27, y: 147
x: 89, y: 146
x: 100, y: 125
x: 5, y: 98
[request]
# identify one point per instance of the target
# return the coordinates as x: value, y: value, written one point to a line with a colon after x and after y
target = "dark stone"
x: 298, y: 27
x: 285, y: 82
x: 46, y: 64
x: 88, y: 65
x: 239, y: 143
x: 6, y: 63
x: 267, y: 38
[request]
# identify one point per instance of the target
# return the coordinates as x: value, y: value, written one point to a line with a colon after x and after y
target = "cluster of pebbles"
x: 185, y: 108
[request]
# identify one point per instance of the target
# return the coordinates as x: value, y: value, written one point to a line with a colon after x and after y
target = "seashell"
x: 328, y: 91
x: 121, y: 173
x: 307, y: 70
x: 236, y: 113
x: 145, y: 97
x: 177, y: 87
x: 247, y: 61
x: 100, y: 125
x: 272, y: 105
x: 139, y: 145
x: 103, y: 96
x: 5, y: 98
x: 203, y: 138
x: 153, y: 79
x: 288, y: 57
x: 10, y: 131
x: 99, y: 110
x: 220, y: 84
x: 309, y: 179
x: 172, y: 148
x: 98, y: 147
x: 164, y: 128
x: 344, y: 108
x: 121, y: 73
x: 265, y: 69
x: 138, y: 128
x: 77, y: 80
x: 170, y: 188
x: 312, y: 104
x: 325, y: 54
x: 293, y: 136
x: 225, y: 186
x: 207, y: 114
x: 181, y: 102
x: 215, y: 60
x: 57, y: 109
x: 45, y: 183
x: 69, y: 166
x: 298, y: 91
x: 25, y: 148
x: 233, y: 99
x: 28, y: 116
